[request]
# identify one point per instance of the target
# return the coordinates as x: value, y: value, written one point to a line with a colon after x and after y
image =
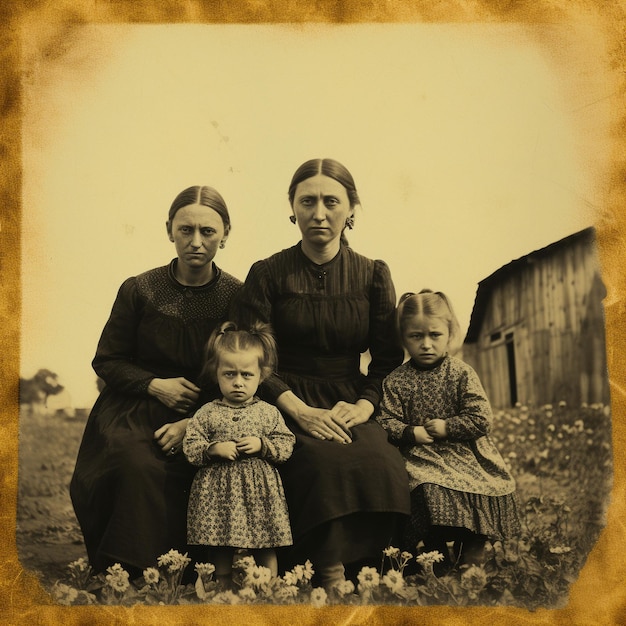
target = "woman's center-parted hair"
x: 326, y: 167
x: 428, y: 303
x: 203, y: 195
x: 229, y: 338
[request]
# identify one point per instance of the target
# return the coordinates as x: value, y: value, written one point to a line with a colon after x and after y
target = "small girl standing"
x: 237, y: 498
x: 435, y: 410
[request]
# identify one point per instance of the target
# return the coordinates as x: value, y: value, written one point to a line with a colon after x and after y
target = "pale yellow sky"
x: 471, y: 145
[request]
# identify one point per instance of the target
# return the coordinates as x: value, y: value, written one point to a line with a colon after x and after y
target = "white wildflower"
x: 151, y: 575
x: 318, y: 597
x: 428, y: 558
x: 117, y: 578
x: 344, y: 587
x: 368, y: 578
x: 204, y: 569
x: 258, y: 576
x: 174, y: 561
x: 391, y: 552
x: 308, y: 571
x: 393, y: 580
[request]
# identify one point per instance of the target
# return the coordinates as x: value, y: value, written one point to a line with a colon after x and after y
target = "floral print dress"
x: 462, y: 480
x: 238, y: 503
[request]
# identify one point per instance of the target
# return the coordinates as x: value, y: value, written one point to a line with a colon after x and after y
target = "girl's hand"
x: 348, y: 415
x: 421, y: 436
x: 225, y: 450
x: 248, y: 445
x: 177, y: 394
x: 170, y: 436
x: 436, y: 428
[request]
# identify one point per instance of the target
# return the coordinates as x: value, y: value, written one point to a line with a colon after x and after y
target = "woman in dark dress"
x: 346, y: 486
x: 131, y: 481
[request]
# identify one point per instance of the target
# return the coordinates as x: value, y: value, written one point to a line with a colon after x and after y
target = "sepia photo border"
x: 599, y: 595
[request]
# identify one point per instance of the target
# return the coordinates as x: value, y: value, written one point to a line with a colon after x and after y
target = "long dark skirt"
x: 345, y: 500
x: 129, y: 497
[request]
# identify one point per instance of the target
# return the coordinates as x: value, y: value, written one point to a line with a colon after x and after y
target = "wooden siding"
x: 551, y: 304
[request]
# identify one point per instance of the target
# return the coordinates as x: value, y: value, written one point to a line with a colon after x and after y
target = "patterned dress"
x: 129, y: 497
x: 238, y: 503
x: 461, y: 481
x: 345, y: 501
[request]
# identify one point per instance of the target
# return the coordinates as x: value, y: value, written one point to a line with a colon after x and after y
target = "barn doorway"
x: 510, y: 357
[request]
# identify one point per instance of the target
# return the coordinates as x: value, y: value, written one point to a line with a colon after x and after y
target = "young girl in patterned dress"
x: 435, y: 410
x: 237, y: 498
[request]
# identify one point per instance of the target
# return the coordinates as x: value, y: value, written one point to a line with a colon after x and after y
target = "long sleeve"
x: 475, y: 417
x: 115, y: 360
x: 197, y: 440
x: 277, y: 446
x: 392, y: 416
x: 254, y: 303
x: 384, y: 349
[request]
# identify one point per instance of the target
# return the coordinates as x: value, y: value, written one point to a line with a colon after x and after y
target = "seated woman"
x: 346, y: 486
x: 131, y: 481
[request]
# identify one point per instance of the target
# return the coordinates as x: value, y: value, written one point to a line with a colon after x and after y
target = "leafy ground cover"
x: 560, y: 456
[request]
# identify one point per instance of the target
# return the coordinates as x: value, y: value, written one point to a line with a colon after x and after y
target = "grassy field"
x: 48, y: 535
x: 560, y: 456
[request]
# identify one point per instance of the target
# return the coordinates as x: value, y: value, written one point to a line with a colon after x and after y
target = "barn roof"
x: 486, y: 286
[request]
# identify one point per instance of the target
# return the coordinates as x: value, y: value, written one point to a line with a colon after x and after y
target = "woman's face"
x: 321, y: 206
x: 197, y: 232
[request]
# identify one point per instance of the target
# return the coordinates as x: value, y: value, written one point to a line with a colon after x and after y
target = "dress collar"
x: 171, y: 274
x: 318, y: 265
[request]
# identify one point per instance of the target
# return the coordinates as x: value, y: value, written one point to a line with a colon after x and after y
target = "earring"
x: 350, y: 222
x: 292, y: 219
x: 222, y: 244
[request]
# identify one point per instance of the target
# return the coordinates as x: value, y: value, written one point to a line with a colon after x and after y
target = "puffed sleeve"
x: 392, y: 415
x: 197, y: 439
x: 384, y: 349
x: 115, y: 360
x: 277, y: 445
x: 254, y: 302
x: 475, y: 416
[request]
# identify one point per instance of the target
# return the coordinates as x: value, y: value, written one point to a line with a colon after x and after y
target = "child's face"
x: 239, y: 376
x: 426, y: 339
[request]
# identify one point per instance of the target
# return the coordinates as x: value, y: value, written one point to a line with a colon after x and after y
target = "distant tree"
x: 36, y: 390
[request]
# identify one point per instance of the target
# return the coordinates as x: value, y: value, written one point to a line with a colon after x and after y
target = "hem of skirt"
x: 476, y: 493
x: 107, y: 556
x: 240, y: 547
x: 301, y: 533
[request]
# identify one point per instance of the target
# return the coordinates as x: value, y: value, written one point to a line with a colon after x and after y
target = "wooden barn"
x: 536, y: 334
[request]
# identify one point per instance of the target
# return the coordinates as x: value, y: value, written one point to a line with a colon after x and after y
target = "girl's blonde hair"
x: 229, y: 338
x: 429, y: 303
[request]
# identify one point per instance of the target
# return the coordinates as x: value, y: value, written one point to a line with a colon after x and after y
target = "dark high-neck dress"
x: 344, y: 500
x: 129, y: 497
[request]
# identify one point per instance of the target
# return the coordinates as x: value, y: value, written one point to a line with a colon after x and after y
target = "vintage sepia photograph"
x: 314, y: 315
